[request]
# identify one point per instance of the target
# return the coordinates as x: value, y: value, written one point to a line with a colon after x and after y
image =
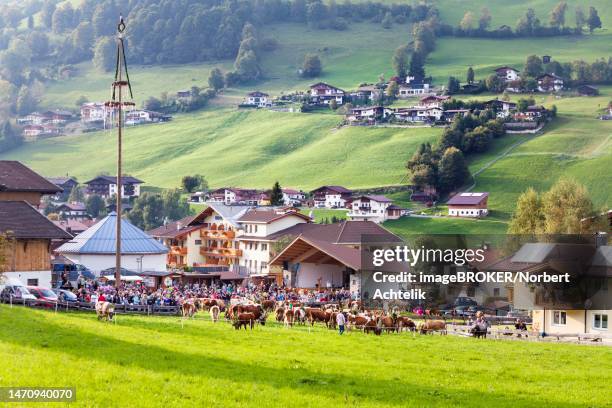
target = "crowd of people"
x: 137, y: 293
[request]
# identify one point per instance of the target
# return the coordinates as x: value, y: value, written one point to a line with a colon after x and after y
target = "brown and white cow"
x: 243, y: 320
x: 430, y: 326
x: 214, y: 313
x: 105, y: 311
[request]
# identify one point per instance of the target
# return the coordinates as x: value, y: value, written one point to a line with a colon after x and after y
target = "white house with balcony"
x: 376, y: 208
x: 331, y: 196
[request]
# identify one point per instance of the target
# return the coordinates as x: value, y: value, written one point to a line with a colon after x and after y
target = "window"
x: 256, y: 229
x: 198, y: 242
x: 264, y: 265
x: 495, y: 291
x: 600, y: 321
x: 264, y: 247
x: 32, y: 282
x: 559, y: 318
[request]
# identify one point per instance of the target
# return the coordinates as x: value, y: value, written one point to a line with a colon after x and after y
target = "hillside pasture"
x: 157, y: 361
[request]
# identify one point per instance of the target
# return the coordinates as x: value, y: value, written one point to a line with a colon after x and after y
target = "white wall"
x: 308, y: 275
x: 97, y: 263
x: 44, y: 277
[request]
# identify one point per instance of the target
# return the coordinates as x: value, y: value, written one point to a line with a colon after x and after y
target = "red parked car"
x: 47, y: 297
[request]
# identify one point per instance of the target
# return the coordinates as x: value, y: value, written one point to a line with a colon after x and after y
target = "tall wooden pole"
x: 119, y: 184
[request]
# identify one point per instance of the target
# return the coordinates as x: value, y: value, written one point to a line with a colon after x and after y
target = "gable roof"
x: 323, y: 85
x: 348, y: 256
x: 113, y: 179
x: 257, y: 93
x: 506, y: 68
x: 15, y: 176
x: 101, y: 239
x: 374, y: 197
x: 268, y: 216
x: 229, y: 213
x: 467, y: 198
x: 175, y: 229
x: 22, y: 221
x: 59, y: 181
x: 338, y: 189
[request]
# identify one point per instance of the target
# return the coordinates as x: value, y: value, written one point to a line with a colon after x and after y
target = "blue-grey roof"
x: 101, y: 239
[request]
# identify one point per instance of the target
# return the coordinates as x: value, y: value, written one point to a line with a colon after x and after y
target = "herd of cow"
x: 246, y: 314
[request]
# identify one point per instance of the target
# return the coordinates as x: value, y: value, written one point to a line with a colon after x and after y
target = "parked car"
x: 17, y: 292
x: 47, y: 297
x: 465, y: 301
x: 64, y: 295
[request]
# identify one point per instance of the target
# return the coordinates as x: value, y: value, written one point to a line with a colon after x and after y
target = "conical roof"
x: 101, y: 239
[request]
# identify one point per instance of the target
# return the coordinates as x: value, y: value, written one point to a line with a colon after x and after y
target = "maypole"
x: 116, y: 104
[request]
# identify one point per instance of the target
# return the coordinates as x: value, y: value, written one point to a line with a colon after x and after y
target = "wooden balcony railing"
x: 217, y: 234
x: 177, y: 250
x: 224, y: 252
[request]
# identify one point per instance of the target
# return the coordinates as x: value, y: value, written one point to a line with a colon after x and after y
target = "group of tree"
x: 528, y: 25
x: 198, y: 99
x: 9, y: 137
x: 445, y: 169
x: 151, y: 210
x: 562, y: 209
x: 312, y: 66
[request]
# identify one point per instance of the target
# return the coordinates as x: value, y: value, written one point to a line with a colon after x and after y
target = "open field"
x: 417, y: 225
x: 144, y: 361
x: 239, y: 148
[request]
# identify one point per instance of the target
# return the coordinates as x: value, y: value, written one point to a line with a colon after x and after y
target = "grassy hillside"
x: 240, y: 148
x: 170, y: 365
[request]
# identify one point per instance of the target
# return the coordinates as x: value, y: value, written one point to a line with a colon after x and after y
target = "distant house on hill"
x: 106, y: 186
x: 507, y: 74
x: 74, y: 210
x: 414, y: 86
x: 468, y: 205
x: 549, y: 83
x: 502, y: 108
x: 257, y: 99
x: 293, y: 197
x: 368, y: 113
x: 92, y: 112
x: 331, y: 196
x: 587, y: 90
x: 376, y: 208
x: 322, y: 93
x: 66, y: 184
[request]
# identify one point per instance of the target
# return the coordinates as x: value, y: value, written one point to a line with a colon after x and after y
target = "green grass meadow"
x: 154, y: 361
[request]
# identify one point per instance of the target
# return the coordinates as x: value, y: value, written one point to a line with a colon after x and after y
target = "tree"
x: 528, y: 217
x: 423, y: 175
x: 580, y: 18
x: 25, y: 101
x: 174, y: 206
x: 467, y: 22
x: 39, y: 44
x: 247, y: 67
x: 400, y: 61
x: 387, y: 21
x: 593, y: 21
x: 333, y: 105
x: 30, y: 22
x: 453, y: 171
x: 533, y: 66
x: 76, y: 195
x: 276, y: 195
x: 470, y: 75
x: 191, y: 183
x: 152, y: 103
x: 557, y: 15
x: 495, y: 84
x: 47, y: 13
x: 523, y: 103
x: 528, y: 24
x: 104, y: 54
x: 564, y: 206
x: 95, y: 205
x: 216, y: 80
x: 63, y: 18
x: 417, y: 65
x: 485, y: 19
x: 80, y: 101
x: 311, y: 66
x: 452, y: 86
x: 392, y: 90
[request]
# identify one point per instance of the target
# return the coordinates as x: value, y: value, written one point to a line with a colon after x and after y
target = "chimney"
x: 178, y: 226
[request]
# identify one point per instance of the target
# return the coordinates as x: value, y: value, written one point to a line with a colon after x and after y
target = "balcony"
x: 217, y: 234
x: 221, y: 252
x: 177, y: 250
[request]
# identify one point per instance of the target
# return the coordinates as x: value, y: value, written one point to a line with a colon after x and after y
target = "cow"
x: 288, y: 318
x: 478, y: 331
x: 358, y: 321
x: 372, y: 326
x: 105, y: 311
x: 244, y: 319
x: 430, y: 326
x: 317, y: 315
x: 299, y: 315
x: 188, y: 309
x: 387, y: 323
x: 280, y: 314
x: 214, y: 313
x: 268, y: 305
x: 405, y: 322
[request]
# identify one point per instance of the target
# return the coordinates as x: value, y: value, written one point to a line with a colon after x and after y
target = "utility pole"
x: 116, y: 104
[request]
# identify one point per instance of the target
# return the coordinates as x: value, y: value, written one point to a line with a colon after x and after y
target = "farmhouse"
x: 73, y: 210
x: 468, y: 205
x: 293, y: 197
x: 92, y: 112
x: 587, y: 90
x: 549, y: 83
x: 322, y: 93
x: 140, y: 116
x: 375, y: 208
x: 433, y: 101
x: 414, y: 88
x: 257, y: 99
x: 19, y: 183
x: 502, y: 108
x: 95, y: 247
x: 331, y: 196
x: 533, y: 113
x: 368, y: 92
x: 106, y: 186
x: 66, y: 184
x: 239, y: 196
x: 73, y: 226
x: 29, y: 236
x: 32, y: 132
x: 507, y: 74
x: 450, y: 114
x: 368, y: 113
x: 328, y: 255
